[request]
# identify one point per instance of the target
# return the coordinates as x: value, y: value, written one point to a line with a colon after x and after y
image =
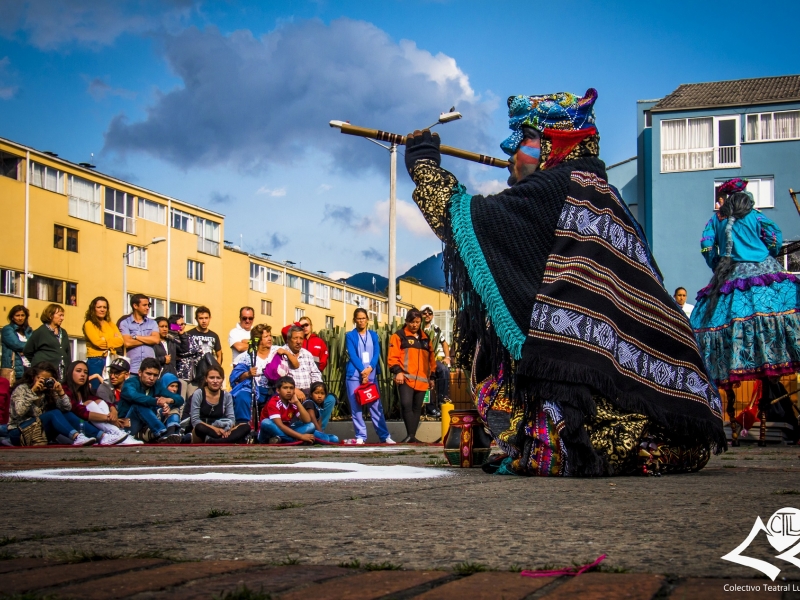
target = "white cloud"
x: 337, y: 275
x: 277, y: 192
x: 324, y: 187
x: 6, y: 91
x: 408, y: 217
x: 487, y: 188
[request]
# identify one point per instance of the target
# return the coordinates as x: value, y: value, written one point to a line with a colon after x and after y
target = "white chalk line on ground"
x: 345, y: 472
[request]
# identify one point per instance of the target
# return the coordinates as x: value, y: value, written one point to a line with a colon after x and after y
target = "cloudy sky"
x: 226, y: 104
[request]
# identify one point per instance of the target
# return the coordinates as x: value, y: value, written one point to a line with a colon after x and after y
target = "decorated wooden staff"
x: 394, y: 138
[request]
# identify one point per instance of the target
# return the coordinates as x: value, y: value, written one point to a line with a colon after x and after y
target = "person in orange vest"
x: 412, y: 362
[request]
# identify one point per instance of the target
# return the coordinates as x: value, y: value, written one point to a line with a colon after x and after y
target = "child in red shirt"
x: 283, y: 418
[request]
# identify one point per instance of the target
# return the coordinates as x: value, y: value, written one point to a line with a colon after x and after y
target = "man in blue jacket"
x: 139, y: 403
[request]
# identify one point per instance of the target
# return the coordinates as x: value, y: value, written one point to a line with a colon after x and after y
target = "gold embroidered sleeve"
x: 434, y: 188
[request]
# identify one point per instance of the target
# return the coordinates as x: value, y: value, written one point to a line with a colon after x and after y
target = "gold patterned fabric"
x: 587, y: 147
x: 616, y: 435
x: 434, y: 188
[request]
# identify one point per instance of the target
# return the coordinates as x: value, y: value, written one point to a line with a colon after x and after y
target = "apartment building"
x: 72, y: 233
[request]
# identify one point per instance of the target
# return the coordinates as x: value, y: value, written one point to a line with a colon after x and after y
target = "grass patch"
x: 74, y: 556
x: 6, y: 540
x: 404, y: 452
x: 384, y: 566
x: 287, y: 505
x: 601, y: 568
x: 215, y: 512
x: 437, y: 462
x: 289, y: 560
x: 353, y: 564
x: 727, y: 458
x: 468, y: 568
x: 728, y: 466
x: 243, y: 593
x: 781, y: 492
x: 515, y: 569
x: 79, y: 459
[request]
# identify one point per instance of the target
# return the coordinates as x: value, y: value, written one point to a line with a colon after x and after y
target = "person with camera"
x: 40, y: 411
x: 167, y: 350
x: 99, y: 422
x: 102, y: 338
x: 50, y: 342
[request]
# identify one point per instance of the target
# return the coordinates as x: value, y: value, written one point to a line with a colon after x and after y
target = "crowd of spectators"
x: 149, y: 380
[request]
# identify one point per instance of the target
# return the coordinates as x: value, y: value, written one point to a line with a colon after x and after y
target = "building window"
x: 194, y: 270
x: 47, y: 178
x: 354, y: 299
x: 10, y: 282
x: 323, y: 295
x: 9, y: 165
x: 306, y: 291
x: 293, y: 281
x: 84, y: 199
x: 274, y: 276
x: 47, y: 289
x: 137, y: 257
x: 187, y: 310
x: 258, y: 278
x: 119, y: 211
x: 701, y: 143
x: 64, y: 237
x: 762, y: 188
x: 299, y: 313
x: 72, y: 294
x: 337, y: 294
x: 266, y: 307
x: 207, y: 237
x: 328, y: 322
x: 772, y: 126
x: 648, y: 118
x: 181, y: 220
x: 152, y: 211
x: 375, y: 307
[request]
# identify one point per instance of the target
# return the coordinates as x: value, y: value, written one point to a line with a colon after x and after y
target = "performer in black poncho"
x: 581, y: 362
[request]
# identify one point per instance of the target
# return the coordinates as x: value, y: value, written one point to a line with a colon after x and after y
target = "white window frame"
x: 83, y: 207
x: 323, y: 298
x: 184, y: 219
x: 274, y: 276
x: 337, y: 294
x: 266, y: 307
x: 11, y: 283
x: 760, y: 133
x: 258, y: 277
x: 299, y: 313
x: 195, y: 270
x: 762, y: 188
x: 42, y: 176
x: 329, y: 322
x: 128, y: 220
x: 137, y: 257
x: 293, y: 281
x: 721, y: 155
x: 148, y: 207
x: 204, y: 228
x: 182, y: 308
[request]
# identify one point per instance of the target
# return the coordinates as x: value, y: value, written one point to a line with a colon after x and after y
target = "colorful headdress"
x: 565, y: 120
x: 733, y: 185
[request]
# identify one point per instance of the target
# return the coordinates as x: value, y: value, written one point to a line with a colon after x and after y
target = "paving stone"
x: 269, y: 580
x: 128, y: 584
x: 365, y: 586
x: 57, y: 575
x: 715, y: 589
x: 20, y: 564
x: 487, y: 586
x: 608, y: 586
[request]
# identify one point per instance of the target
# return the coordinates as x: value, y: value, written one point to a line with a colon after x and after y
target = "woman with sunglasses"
x: 314, y: 344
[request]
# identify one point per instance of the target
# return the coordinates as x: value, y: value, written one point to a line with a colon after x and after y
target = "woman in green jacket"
x: 50, y: 343
x: 14, y: 337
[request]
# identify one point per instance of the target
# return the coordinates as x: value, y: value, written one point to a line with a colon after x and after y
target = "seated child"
x: 168, y: 389
x: 284, y: 419
x: 139, y: 403
x: 315, y: 405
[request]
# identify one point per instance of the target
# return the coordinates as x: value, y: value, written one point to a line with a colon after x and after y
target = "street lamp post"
x: 285, y: 283
x: 391, y: 292
x: 125, y: 255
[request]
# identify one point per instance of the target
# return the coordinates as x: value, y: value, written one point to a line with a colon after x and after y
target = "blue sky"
x: 226, y: 104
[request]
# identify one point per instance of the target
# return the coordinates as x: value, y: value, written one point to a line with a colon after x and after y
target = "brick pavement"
x: 153, y: 579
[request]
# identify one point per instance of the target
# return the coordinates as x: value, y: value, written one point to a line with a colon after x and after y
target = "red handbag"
x: 367, y: 393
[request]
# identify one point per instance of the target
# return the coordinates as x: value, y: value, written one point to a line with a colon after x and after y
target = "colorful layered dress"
x: 754, y: 330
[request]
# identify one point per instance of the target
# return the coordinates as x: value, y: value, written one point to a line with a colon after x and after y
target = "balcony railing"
x: 727, y: 156
x: 207, y: 246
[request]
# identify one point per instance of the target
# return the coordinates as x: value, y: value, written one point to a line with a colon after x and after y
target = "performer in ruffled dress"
x: 746, y: 320
x: 582, y: 362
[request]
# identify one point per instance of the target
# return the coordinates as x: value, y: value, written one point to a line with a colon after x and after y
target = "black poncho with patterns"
x: 555, y: 281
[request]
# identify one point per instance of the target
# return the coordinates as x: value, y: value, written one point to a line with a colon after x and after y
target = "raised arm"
x: 708, y: 243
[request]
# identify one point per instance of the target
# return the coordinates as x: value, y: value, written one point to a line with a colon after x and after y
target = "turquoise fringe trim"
x: 479, y: 273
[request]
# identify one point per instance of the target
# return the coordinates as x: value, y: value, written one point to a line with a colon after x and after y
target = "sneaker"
x: 82, y: 440
x: 274, y: 440
x: 389, y: 440
x: 169, y: 438
x: 130, y: 441
x: 111, y: 439
x: 354, y: 442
